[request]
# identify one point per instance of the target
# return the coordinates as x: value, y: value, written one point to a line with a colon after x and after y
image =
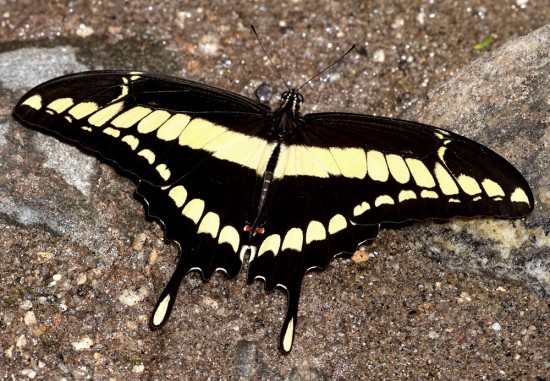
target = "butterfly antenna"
x: 328, y: 67
x: 268, y: 57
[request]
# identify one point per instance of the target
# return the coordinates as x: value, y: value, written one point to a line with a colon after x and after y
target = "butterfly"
x: 230, y: 178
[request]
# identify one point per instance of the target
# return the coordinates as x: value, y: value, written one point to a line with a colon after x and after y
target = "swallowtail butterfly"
x: 228, y: 175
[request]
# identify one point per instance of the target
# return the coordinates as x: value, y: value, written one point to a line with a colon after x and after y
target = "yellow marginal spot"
x: 111, y: 132
x: 445, y: 180
x: 60, y: 105
x: 130, y: 117
x: 194, y: 209
x: 34, y: 102
x: 153, y: 121
x: 160, y: 311
x: 455, y: 200
x: 405, y: 195
x: 492, y: 188
x: 178, y: 194
x: 398, y: 168
x: 420, y: 173
x: 210, y: 224
x: 99, y: 118
x: 173, y: 127
x: 294, y: 240
x: 352, y: 162
x: 469, y: 185
x: 288, y: 337
x: 336, y: 224
x: 477, y: 198
x: 439, y: 135
x: 519, y: 195
x: 230, y: 235
x: 81, y: 110
x: 148, y: 155
x: 271, y: 243
x: 199, y: 132
x: 428, y: 194
x: 132, y: 141
x: 383, y: 200
x: 163, y: 171
x: 361, y: 208
x: 315, y: 232
x: 85, y: 128
x: 376, y: 166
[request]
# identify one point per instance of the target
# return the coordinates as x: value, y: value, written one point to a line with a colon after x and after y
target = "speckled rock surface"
x: 81, y: 267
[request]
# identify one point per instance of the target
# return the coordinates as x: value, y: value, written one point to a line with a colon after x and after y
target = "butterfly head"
x: 291, y: 101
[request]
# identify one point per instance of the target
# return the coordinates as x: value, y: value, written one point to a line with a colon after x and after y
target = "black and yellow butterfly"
x: 228, y: 175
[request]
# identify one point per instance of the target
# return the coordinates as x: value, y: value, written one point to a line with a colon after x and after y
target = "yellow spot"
x: 131, y: 117
x: 148, y: 155
x: 441, y: 153
x: 173, y: 127
x: 199, y: 132
x: 325, y: 159
x: 34, y: 102
x: 294, y: 240
x: 163, y: 171
x: 160, y: 311
x: 152, y: 121
x: 85, y: 128
x: 420, y: 173
x: 315, y: 232
x: 405, y: 195
x: 132, y: 141
x: 477, y: 198
x: 123, y: 92
x: 376, y: 166
x: 468, y: 185
x: 178, y: 194
x: 99, y: 118
x: 83, y: 109
x: 271, y: 243
x: 299, y: 161
x: 210, y: 224
x: 352, y: 162
x: 288, y: 337
x: 455, y: 200
x: 398, y: 168
x: 361, y: 208
x: 193, y: 210
x: 230, y: 235
x: 491, y: 188
x: 383, y: 200
x: 111, y: 132
x: 241, y: 149
x: 60, y: 105
x: 336, y: 224
x: 439, y: 135
x: 445, y: 180
x: 428, y: 194
x: 519, y: 195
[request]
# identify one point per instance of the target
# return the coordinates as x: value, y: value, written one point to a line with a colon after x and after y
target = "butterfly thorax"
x: 287, y: 118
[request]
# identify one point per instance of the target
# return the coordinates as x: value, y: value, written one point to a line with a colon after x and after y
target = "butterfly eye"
x: 300, y: 98
x: 285, y: 95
